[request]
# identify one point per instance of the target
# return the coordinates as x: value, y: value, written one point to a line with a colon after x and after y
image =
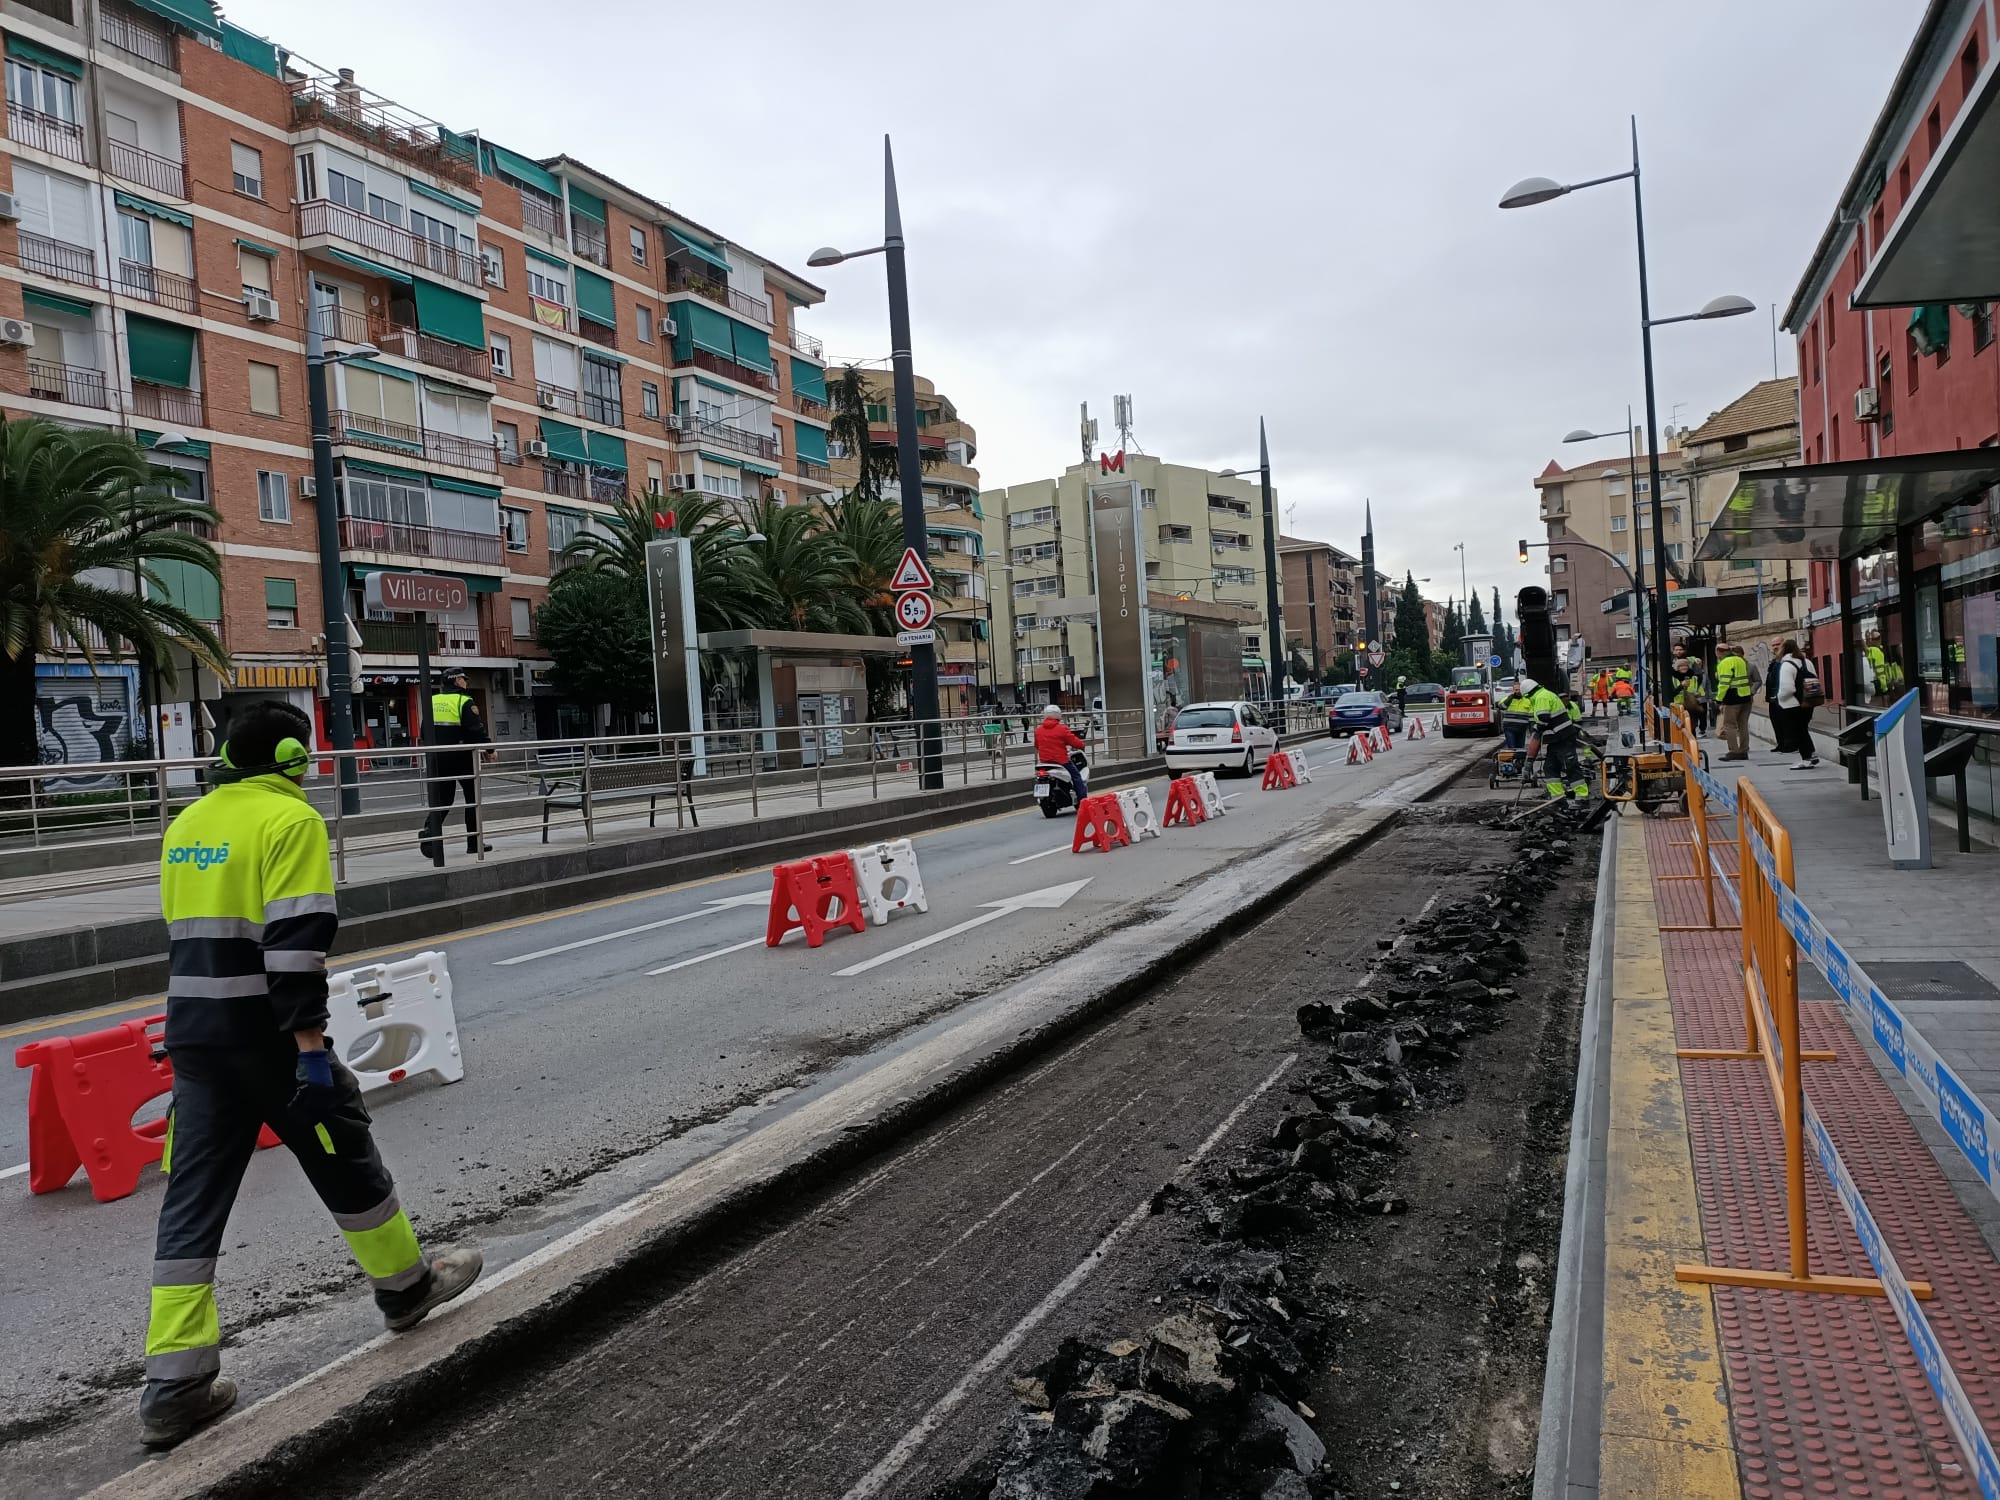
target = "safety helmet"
x: 1050, y: 711
x: 1526, y: 683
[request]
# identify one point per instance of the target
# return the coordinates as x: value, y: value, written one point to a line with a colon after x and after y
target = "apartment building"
x: 1743, y: 598
x: 1204, y: 562
x: 1321, y: 602
x: 949, y: 447
x: 520, y: 343
x: 1607, y: 504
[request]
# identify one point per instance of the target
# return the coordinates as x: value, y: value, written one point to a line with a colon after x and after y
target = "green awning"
x: 257, y: 248
x: 281, y: 593
x: 504, y: 163
x: 752, y: 345
x: 194, y: 589
x: 699, y: 248
x: 594, y: 299
x: 50, y: 302
x: 425, y: 190
x: 245, y: 47
x: 733, y: 460
x: 705, y: 327
x: 192, y: 448
x: 605, y: 356
x: 453, y: 316
x: 29, y: 52
x: 369, y: 267
x: 197, y: 16
x: 465, y: 487
x: 586, y: 203
x: 755, y: 467
x: 160, y: 353
x: 606, y: 451
x: 380, y: 369
x: 565, y: 441
x: 383, y: 471
x: 808, y: 379
x: 140, y: 206
x: 543, y: 255
x: 809, y: 443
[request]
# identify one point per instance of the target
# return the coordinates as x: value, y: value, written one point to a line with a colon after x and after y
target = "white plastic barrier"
x: 1211, y: 794
x: 1299, y: 767
x: 888, y: 879
x: 1140, y: 819
x: 395, y: 1021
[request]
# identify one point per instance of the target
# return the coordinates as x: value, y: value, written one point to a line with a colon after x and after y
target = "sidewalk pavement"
x: 1809, y: 1393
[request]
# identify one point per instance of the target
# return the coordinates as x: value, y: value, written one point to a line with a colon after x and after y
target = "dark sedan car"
x: 1415, y: 693
x: 1353, y: 712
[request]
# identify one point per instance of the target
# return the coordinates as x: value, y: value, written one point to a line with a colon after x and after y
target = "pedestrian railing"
x: 1708, y: 802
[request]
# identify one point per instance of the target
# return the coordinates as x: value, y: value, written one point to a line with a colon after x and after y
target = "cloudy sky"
x: 1273, y: 207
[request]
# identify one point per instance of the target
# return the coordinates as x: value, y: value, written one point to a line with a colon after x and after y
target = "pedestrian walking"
x: 1733, y: 693
x: 247, y: 891
x: 1798, y: 694
x: 455, y: 720
x: 1781, y: 725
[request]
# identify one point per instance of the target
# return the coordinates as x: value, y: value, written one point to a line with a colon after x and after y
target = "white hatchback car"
x: 1219, y: 737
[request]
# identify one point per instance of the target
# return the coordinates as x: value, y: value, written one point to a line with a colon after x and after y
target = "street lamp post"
x: 909, y: 466
x: 1532, y: 190
x: 1275, y: 651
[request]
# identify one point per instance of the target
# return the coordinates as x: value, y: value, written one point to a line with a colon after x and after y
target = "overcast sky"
x: 1284, y: 209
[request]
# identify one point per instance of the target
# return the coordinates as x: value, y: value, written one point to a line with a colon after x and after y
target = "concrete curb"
x: 1572, y: 1381
x: 394, y: 1382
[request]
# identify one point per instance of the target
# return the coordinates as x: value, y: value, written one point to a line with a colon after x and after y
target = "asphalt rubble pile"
x: 1210, y: 1403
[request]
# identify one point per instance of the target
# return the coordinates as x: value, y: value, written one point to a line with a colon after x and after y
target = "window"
x: 1233, y: 577
x: 514, y: 528
x: 308, y: 177
x: 255, y: 271
x: 1903, y: 182
x: 38, y: 89
x: 877, y: 412
x: 1736, y: 442
x: 1674, y: 550
x: 493, y: 265
x: 1943, y: 350
x: 1559, y: 601
x: 246, y: 170
x: 1172, y: 533
x: 274, y: 497
x: 1558, y: 564
x: 1625, y: 558
x: 502, y: 349
x: 1968, y: 66
x: 656, y: 476
x: 565, y: 526
x: 649, y: 399
x: 391, y: 500
x: 1616, y: 487
x: 1036, y: 552
x: 1041, y: 516
x: 1148, y: 499
x: 1643, y: 486
x: 603, y: 396
x: 523, y: 619
x: 281, y: 604
x: 385, y: 405
x: 638, y: 245
x: 1910, y: 350
x: 722, y: 484
x: 1982, y: 326
x: 507, y: 439
x: 1624, y: 630
x: 263, y: 389
x: 1618, y: 523
x: 1933, y: 131
x: 545, y: 283
x: 645, y: 317
x: 1027, y: 587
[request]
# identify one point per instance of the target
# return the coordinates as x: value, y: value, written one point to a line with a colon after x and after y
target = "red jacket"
x: 1054, y: 740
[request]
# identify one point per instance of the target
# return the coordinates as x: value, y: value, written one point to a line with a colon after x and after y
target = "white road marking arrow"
x: 1046, y: 899
x: 708, y: 909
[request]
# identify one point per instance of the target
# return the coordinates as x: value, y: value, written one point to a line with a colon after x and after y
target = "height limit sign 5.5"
x: 914, y: 610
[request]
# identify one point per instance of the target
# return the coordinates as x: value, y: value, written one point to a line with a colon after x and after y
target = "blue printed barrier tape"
x: 1951, y: 1397
x: 1722, y: 796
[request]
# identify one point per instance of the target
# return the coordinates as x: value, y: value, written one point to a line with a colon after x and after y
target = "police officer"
x: 247, y: 891
x: 1558, y: 731
x: 455, y: 720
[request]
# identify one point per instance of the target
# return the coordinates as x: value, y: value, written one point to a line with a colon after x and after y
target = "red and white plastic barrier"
x: 1415, y: 730
x: 1383, y: 739
x: 395, y: 1021
x: 1100, y: 822
x: 1211, y: 794
x: 1299, y: 766
x: 1140, y: 820
x: 1278, y: 772
x: 1360, y: 750
x: 888, y: 880
x: 1184, y: 803
x: 815, y: 895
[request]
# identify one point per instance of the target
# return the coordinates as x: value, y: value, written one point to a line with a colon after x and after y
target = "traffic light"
x: 1524, y: 549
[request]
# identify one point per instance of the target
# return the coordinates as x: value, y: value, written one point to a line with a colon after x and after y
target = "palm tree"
x: 78, y: 508
x: 872, y: 533
x: 807, y: 570
x: 729, y: 593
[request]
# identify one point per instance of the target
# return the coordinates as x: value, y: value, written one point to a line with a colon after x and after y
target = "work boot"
x: 178, y: 1422
x: 473, y: 846
x: 450, y: 1274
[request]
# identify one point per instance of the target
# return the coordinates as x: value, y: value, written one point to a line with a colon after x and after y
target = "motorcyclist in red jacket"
x: 1054, y: 740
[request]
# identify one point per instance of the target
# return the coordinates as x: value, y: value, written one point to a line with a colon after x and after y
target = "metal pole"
x: 332, y: 583
x: 1277, y: 672
x: 1659, y: 632
x: 909, y: 470
x: 1638, y: 595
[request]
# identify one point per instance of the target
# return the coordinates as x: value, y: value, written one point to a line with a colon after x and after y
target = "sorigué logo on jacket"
x: 198, y: 854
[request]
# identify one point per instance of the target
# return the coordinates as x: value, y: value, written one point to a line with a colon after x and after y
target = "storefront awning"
x: 1833, y: 511
x: 1945, y: 244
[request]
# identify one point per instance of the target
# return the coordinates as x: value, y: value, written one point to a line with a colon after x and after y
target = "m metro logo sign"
x: 1111, y: 463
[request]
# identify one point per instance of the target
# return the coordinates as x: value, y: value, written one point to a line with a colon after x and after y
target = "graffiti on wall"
x: 83, y: 721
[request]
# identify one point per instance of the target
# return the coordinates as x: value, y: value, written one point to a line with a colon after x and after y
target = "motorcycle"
x: 1055, y: 785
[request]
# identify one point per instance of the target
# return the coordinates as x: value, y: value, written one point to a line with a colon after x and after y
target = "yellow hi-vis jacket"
x: 1732, y: 679
x: 246, y: 886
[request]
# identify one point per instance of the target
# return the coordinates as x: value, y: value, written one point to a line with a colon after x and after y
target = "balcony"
x: 151, y: 284
x: 681, y: 279
x: 541, y: 212
x: 589, y: 239
x: 167, y: 403
x: 558, y: 398
x: 409, y: 343
x: 360, y: 534
x: 572, y: 482
x: 448, y: 638
x: 58, y: 259
x: 135, y: 35
x: 549, y: 314
x: 729, y: 369
x: 735, y: 439
x: 603, y: 334
x: 805, y: 343
x: 340, y: 104
x: 58, y: 137
x: 162, y: 174
x: 75, y: 384
x: 364, y: 430
x: 808, y: 469
x: 808, y: 406
x: 390, y: 241
x: 462, y: 452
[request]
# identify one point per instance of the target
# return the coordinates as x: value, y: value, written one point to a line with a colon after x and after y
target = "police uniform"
x: 247, y: 891
x: 455, y: 720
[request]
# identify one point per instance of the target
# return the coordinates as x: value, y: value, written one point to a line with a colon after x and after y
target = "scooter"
x: 1055, y: 785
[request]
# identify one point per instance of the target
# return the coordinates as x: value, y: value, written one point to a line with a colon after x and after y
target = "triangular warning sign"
x: 911, y: 572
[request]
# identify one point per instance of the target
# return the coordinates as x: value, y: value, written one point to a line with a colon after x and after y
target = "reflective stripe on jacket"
x: 1732, y: 677
x: 246, y: 886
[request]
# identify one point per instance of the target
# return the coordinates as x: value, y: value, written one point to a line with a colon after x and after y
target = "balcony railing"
x: 729, y: 369
x: 805, y: 343
x: 736, y: 439
x: 718, y: 291
x: 543, y: 213
x: 558, y: 479
x: 338, y: 103
x: 400, y: 638
x: 168, y: 403
x: 48, y: 133
x: 322, y: 217
x: 132, y: 33
x: 558, y: 398
x: 168, y: 288
x: 425, y: 349
x: 598, y: 333
x: 56, y: 258
x: 609, y: 487
x: 808, y: 406
x: 462, y: 452
x: 549, y: 314
x: 75, y: 384
x: 811, y: 470
x: 148, y: 168
x: 589, y: 239
x: 441, y: 543
x: 365, y: 430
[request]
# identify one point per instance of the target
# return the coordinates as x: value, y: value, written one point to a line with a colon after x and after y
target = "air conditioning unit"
x: 668, y: 327
x: 261, y: 309
x: 680, y: 481
x: 308, y: 487
x: 1868, y: 404
x: 546, y: 400
x: 16, y: 333
x: 490, y: 275
x: 7, y: 209
x: 519, y: 684
x: 538, y: 449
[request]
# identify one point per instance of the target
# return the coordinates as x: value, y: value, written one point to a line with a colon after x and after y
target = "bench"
x: 1950, y: 759
x: 649, y: 776
x: 1854, y: 746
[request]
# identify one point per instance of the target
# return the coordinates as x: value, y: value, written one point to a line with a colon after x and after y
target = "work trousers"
x: 447, y: 772
x: 1562, y: 772
x: 222, y: 1096
x: 1735, y: 727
